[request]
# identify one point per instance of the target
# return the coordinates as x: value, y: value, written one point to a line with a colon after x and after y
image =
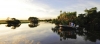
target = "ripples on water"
x: 45, y: 33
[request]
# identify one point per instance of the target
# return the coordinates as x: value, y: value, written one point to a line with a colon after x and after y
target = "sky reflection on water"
x: 42, y: 34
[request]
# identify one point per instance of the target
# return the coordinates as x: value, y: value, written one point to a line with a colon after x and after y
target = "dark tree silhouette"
x: 33, y: 19
x: 13, y: 22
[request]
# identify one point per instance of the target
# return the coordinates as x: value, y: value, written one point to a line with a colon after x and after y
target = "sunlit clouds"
x: 22, y: 9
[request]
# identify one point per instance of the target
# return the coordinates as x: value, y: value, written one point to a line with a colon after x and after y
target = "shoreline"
x: 22, y: 21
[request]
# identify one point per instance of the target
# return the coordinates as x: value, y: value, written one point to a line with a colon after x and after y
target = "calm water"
x: 44, y: 34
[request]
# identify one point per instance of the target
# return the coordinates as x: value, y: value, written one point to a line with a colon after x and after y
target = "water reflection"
x: 45, y: 35
x: 13, y: 23
x: 90, y: 35
x: 64, y: 34
x: 31, y: 25
x: 13, y: 26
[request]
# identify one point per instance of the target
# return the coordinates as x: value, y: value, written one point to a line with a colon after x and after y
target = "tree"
x: 33, y: 19
x: 64, y: 17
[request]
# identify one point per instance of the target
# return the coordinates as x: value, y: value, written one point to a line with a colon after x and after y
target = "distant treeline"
x: 23, y: 21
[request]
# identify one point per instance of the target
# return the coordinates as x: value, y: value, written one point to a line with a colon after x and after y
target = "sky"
x: 23, y: 9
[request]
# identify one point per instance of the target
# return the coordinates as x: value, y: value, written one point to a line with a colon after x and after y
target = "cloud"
x: 95, y: 4
x: 42, y: 9
x: 24, y: 9
x: 82, y: 5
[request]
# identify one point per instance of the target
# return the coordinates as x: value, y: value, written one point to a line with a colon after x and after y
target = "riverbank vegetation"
x: 26, y: 21
x: 90, y: 18
x: 22, y: 21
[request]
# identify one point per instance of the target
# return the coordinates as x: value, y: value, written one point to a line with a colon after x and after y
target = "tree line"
x: 89, y: 19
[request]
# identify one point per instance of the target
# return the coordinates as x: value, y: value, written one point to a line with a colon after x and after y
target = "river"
x: 44, y: 34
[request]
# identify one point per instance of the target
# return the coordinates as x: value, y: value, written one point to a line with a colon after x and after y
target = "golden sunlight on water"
x: 22, y: 34
x: 18, y: 40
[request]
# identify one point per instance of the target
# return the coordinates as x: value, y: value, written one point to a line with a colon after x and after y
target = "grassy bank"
x: 22, y: 21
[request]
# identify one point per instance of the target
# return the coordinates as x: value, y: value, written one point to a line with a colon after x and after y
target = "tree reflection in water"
x: 92, y: 36
x: 64, y: 34
x: 33, y: 22
x: 13, y: 23
x: 87, y: 34
x: 13, y: 26
x: 31, y: 25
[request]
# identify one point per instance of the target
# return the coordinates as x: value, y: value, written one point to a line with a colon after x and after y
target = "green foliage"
x: 89, y: 19
x: 64, y: 17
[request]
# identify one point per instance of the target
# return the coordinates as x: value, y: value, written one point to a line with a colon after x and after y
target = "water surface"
x: 44, y: 34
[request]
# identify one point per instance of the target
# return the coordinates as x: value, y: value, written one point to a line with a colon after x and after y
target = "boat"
x: 66, y: 27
